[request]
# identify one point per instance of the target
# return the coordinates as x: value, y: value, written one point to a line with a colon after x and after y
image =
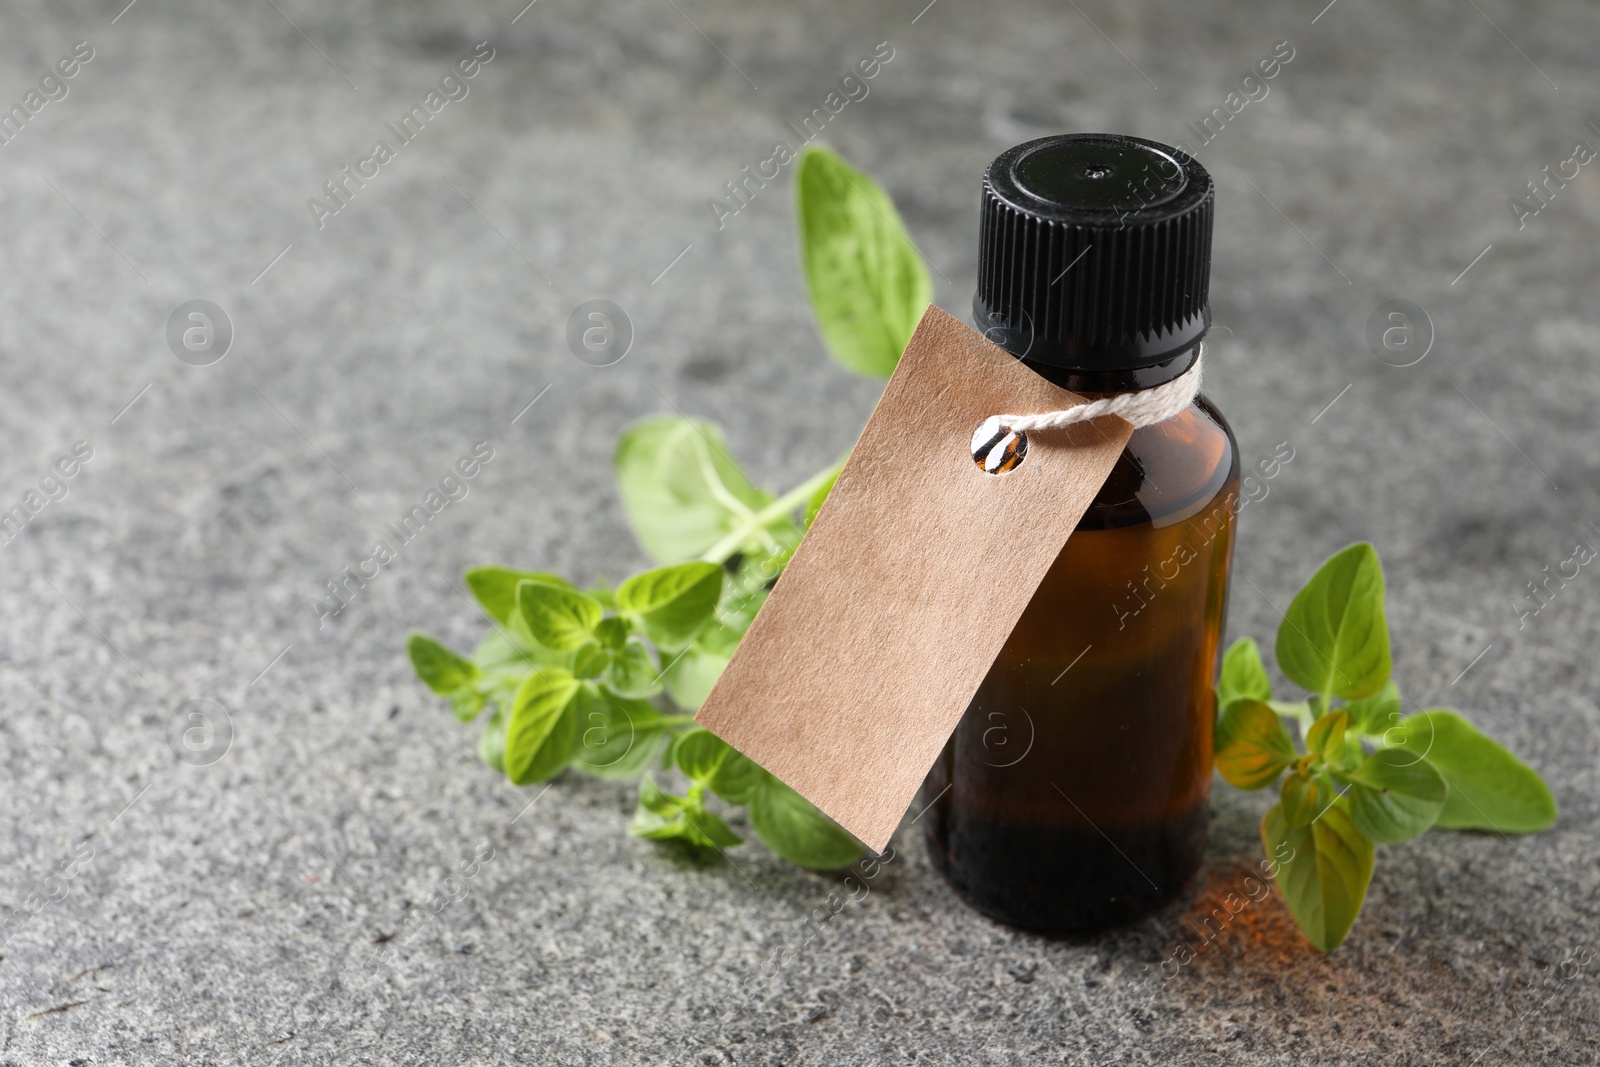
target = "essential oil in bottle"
x: 1073, y: 794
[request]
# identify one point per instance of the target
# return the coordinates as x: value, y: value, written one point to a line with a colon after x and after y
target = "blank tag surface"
x: 885, y: 622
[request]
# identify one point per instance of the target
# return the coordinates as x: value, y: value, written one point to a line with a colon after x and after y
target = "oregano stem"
x: 784, y: 505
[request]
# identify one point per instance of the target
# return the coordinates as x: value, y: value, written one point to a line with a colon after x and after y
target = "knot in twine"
x: 999, y: 443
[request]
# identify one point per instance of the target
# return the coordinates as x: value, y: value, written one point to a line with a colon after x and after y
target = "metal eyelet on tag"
x: 996, y: 448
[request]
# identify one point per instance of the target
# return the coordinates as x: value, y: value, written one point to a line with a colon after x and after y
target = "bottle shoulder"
x: 1168, y: 472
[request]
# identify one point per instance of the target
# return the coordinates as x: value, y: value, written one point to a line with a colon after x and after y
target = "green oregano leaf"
x: 709, y: 829
x: 612, y: 632
x: 1252, y: 747
x: 664, y: 817
x: 1243, y: 676
x: 590, y: 661
x: 692, y: 672
x: 1376, y: 713
x: 439, y: 668
x: 1395, y: 795
x: 506, y: 655
x: 1325, y: 875
x: 632, y: 672
x: 1334, y: 637
x: 1490, y: 789
x: 467, y: 704
x: 1326, y: 736
x: 737, y: 779
x: 656, y: 802
x: 699, y: 753
x: 867, y: 283
x: 1304, y: 797
x: 659, y: 814
x: 543, y: 726
x: 704, y: 757
x: 672, y: 604
x: 496, y: 588
x: 791, y: 826
x: 617, y: 737
x: 681, y: 491
x: 492, y: 742
x: 557, y: 616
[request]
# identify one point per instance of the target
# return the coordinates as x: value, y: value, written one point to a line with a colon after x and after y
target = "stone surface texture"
x: 164, y: 912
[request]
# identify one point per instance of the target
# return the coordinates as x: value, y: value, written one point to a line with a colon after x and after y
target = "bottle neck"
x: 1115, y: 380
x: 1022, y: 343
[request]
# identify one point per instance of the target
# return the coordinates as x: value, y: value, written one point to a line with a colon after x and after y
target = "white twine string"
x: 1146, y: 407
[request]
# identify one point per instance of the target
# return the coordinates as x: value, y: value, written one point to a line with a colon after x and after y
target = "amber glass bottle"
x: 1073, y: 794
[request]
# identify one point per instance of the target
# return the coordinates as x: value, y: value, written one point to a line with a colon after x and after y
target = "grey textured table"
x: 163, y: 912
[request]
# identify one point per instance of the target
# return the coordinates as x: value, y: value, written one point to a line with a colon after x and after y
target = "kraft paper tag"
x: 883, y: 625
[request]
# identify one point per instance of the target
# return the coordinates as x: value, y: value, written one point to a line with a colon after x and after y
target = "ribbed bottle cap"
x: 1095, y: 252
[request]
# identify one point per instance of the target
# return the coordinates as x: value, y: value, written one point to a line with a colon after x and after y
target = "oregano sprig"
x: 1367, y: 774
x: 594, y: 680
x: 569, y: 675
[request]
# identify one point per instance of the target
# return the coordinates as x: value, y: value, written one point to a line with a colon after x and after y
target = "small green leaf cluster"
x: 785, y: 821
x: 1368, y: 774
x: 602, y: 681
x: 568, y: 677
